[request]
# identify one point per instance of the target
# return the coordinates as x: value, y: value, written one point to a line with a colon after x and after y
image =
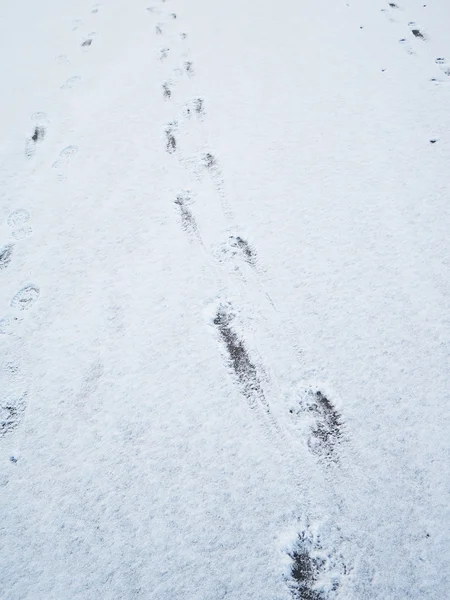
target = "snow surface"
x: 210, y: 213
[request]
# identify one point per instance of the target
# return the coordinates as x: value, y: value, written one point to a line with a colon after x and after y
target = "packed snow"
x: 225, y: 300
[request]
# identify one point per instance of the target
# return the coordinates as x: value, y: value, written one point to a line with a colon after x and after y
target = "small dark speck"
x: 13, y: 459
x: 361, y: 27
x: 383, y: 70
x: 433, y: 141
x: 427, y: 535
x: 173, y: 15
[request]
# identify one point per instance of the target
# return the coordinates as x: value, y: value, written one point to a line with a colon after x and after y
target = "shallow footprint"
x: 65, y: 156
x: 71, y: 82
x: 11, y: 414
x: 26, y: 297
x: 18, y: 217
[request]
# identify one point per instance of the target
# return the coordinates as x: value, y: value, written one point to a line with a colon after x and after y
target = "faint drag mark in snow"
x: 188, y: 223
x: 17, y: 220
x: 314, y: 415
x: 71, y: 82
x: 11, y: 414
x: 90, y: 381
x: 25, y: 298
x: 5, y: 255
x: 314, y: 573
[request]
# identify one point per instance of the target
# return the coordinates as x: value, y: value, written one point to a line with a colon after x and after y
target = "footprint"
x: 62, y: 59
x: 9, y: 323
x: 312, y: 565
x: 26, y: 297
x: 417, y: 32
x: 17, y: 220
x: 171, y: 142
x: 188, y: 223
x: 76, y: 24
x: 22, y: 233
x: 88, y: 41
x: 173, y: 15
x: 163, y: 53
x: 313, y: 413
x: 65, y: 156
x: 18, y: 217
x: 95, y: 9
x: 406, y: 45
x: 11, y: 414
x: 159, y: 29
x: 41, y: 121
x: 189, y: 69
x: 71, y: 82
x: 444, y: 65
x: 5, y: 256
x: 238, y: 358
x: 183, y: 36
x: 244, y: 248
x: 194, y: 108
x: 167, y: 92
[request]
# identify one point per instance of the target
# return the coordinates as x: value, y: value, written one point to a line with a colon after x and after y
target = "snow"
x: 224, y: 300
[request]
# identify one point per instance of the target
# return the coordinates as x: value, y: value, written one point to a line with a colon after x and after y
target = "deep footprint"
x: 25, y: 298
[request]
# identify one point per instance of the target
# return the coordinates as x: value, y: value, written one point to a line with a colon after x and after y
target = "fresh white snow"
x: 224, y: 299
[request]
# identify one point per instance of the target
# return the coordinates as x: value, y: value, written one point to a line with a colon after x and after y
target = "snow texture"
x: 224, y: 300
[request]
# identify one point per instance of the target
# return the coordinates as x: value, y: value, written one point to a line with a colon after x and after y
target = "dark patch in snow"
x: 167, y: 92
x: 173, y: 15
x: 163, y: 53
x: 87, y: 42
x: 245, y: 371
x: 244, y: 247
x: 393, y: 5
x: 308, y: 565
x: 433, y: 141
x: 209, y: 161
x: 11, y: 414
x: 418, y: 34
x: 39, y: 134
x: 26, y: 297
x: 5, y: 255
